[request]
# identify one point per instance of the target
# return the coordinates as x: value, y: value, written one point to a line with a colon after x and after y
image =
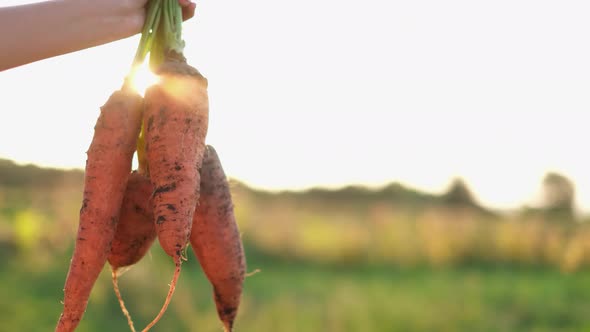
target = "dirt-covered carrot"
x: 175, y: 123
x: 135, y: 232
x: 108, y: 166
x: 216, y: 241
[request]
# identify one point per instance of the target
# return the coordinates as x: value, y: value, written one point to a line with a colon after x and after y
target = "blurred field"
x: 302, y: 297
x: 388, y: 259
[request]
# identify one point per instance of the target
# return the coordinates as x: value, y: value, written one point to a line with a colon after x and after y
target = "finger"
x: 188, y: 11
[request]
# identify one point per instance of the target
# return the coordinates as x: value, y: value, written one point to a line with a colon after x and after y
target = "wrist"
x: 122, y: 17
x: 132, y: 23
x: 106, y: 8
x: 132, y: 14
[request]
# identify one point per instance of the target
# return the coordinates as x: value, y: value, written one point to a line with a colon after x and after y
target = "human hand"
x: 188, y: 7
x: 75, y: 25
x: 136, y: 10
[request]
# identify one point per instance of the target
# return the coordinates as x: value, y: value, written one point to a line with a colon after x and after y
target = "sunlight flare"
x: 142, y: 78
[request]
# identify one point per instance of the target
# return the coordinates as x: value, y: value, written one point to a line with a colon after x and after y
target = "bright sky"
x: 331, y: 93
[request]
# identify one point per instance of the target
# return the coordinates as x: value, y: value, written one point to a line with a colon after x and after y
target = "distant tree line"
x: 558, y: 192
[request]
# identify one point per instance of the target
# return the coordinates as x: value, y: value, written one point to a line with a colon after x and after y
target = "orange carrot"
x: 175, y: 123
x: 107, y: 170
x: 135, y: 232
x: 216, y: 241
x: 175, y: 119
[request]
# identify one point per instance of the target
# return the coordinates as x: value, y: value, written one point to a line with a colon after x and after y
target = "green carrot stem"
x: 149, y: 28
x: 173, y: 27
x: 168, y: 37
x: 161, y: 33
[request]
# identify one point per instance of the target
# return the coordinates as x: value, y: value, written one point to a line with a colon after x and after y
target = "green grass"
x: 468, y: 299
x: 295, y: 296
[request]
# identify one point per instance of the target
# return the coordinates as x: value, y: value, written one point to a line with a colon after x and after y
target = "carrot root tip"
x: 227, y: 327
x: 173, y: 283
x: 120, y: 298
x: 249, y: 274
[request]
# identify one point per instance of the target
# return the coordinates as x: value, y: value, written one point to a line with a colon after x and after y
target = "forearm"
x: 42, y: 30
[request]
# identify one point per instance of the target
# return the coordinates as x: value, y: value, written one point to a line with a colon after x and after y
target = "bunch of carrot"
x: 179, y: 193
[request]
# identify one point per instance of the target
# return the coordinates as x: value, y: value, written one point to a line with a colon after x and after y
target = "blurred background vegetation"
x: 353, y: 259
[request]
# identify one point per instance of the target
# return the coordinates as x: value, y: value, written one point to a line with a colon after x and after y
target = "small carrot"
x: 216, y: 241
x: 107, y: 170
x: 135, y: 232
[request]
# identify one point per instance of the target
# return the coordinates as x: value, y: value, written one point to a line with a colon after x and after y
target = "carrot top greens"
x: 161, y: 34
